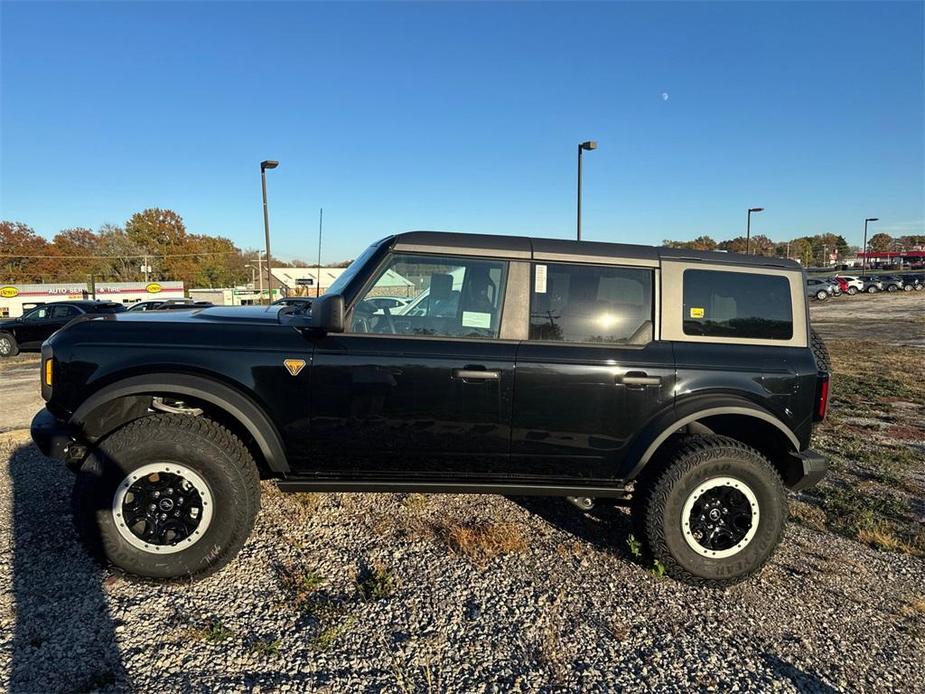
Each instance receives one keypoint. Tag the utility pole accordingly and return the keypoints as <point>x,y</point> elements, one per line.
<point>320,223</point>
<point>260,273</point>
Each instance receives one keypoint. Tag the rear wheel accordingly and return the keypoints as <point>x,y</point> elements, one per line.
<point>8,346</point>
<point>892,288</point>
<point>852,291</point>
<point>167,496</point>
<point>716,513</point>
<point>871,290</point>
<point>822,295</point>
<point>907,287</point>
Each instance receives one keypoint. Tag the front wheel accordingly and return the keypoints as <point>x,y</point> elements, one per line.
<point>716,513</point>
<point>892,288</point>
<point>167,496</point>
<point>907,287</point>
<point>8,346</point>
<point>871,290</point>
<point>852,291</point>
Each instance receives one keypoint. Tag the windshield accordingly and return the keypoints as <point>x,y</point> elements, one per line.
<point>347,275</point>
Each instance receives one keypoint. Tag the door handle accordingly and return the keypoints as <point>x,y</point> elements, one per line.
<point>476,375</point>
<point>639,378</point>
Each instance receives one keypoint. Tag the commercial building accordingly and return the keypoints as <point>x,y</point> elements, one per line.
<point>227,296</point>
<point>16,299</point>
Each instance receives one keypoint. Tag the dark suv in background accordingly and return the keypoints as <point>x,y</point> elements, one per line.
<point>28,332</point>
<point>684,384</point>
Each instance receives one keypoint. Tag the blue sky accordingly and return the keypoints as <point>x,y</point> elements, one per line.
<point>464,117</point>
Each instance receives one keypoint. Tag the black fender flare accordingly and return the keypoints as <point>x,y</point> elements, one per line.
<point>693,410</point>
<point>238,405</point>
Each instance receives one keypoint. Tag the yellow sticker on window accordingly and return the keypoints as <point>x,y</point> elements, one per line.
<point>696,313</point>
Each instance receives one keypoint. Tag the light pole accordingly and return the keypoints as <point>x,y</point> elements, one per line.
<point>320,221</point>
<point>748,228</point>
<point>584,146</point>
<point>864,259</point>
<point>264,165</point>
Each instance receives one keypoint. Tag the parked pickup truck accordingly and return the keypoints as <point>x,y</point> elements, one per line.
<point>684,384</point>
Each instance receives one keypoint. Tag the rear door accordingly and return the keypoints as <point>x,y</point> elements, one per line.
<point>426,390</point>
<point>590,374</point>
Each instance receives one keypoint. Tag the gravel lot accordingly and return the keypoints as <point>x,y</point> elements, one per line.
<point>415,593</point>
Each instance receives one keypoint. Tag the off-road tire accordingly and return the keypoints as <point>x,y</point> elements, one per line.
<point>8,346</point>
<point>202,445</point>
<point>696,460</point>
<point>820,351</point>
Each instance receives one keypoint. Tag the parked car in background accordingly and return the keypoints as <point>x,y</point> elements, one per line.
<point>853,284</point>
<point>821,289</point>
<point>299,303</point>
<point>891,283</point>
<point>28,332</point>
<point>836,286</point>
<point>872,283</point>
<point>913,282</point>
<point>159,303</point>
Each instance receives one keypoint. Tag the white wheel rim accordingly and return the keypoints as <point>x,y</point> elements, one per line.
<point>5,346</point>
<point>195,481</point>
<point>702,489</point>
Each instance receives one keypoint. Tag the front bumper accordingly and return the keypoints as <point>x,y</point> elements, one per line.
<point>56,439</point>
<point>805,470</point>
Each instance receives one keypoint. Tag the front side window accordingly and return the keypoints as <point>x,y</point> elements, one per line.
<point>37,314</point>
<point>438,296</point>
<point>589,303</point>
<point>737,304</point>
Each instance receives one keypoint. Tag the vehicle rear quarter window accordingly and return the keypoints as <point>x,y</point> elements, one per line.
<point>591,304</point>
<point>737,304</point>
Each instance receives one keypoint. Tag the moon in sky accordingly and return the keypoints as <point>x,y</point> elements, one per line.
<point>664,96</point>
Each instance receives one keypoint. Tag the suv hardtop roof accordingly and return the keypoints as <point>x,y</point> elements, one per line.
<point>525,248</point>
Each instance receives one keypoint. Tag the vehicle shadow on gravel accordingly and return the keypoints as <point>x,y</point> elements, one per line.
<point>64,637</point>
<point>606,527</point>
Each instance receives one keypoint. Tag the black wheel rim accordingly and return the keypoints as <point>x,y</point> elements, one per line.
<point>162,508</point>
<point>720,518</point>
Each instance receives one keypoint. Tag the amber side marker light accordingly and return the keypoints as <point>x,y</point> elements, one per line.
<point>48,371</point>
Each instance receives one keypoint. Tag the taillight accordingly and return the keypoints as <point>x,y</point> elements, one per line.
<point>822,396</point>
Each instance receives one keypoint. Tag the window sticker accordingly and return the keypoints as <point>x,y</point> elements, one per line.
<point>696,312</point>
<point>540,284</point>
<point>476,319</point>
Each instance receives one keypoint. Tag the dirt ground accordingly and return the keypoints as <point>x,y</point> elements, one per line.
<point>896,318</point>
<point>20,398</point>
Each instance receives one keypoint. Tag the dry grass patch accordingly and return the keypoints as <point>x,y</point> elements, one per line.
<point>807,515</point>
<point>481,540</point>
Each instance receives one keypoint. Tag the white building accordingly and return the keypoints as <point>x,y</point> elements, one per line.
<point>15,299</point>
<point>304,281</point>
<point>227,296</point>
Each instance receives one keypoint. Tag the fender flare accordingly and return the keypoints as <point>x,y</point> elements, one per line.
<point>695,409</point>
<point>238,405</point>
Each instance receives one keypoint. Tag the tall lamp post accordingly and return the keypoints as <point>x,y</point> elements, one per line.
<point>584,146</point>
<point>264,165</point>
<point>864,260</point>
<point>748,228</point>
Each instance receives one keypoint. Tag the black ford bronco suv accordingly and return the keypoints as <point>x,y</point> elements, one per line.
<point>684,384</point>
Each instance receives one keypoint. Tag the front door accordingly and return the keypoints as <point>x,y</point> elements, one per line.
<point>422,389</point>
<point>37,325</point>
<point>591,373</point>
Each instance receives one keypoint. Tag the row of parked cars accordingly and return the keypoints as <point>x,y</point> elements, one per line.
<point>822,288</point>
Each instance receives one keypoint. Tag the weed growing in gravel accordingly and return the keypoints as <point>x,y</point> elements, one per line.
<point>376,583</point>
<point>635,546</point>
<point>213,632</point>
<point>414,502</point>
<point>328,636</point>
<point>265,646</point>
<point>299,582</point>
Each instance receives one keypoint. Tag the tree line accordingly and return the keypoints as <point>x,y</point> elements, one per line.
<point>809,250</point>
<point>154,237</point>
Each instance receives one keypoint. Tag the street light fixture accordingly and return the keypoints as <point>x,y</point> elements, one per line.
<point>864,260</point>
<point>748,228</point>
<point>583,147</point>
<point>264,165</point>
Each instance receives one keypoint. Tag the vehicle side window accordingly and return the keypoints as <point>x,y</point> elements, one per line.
<point>64,312</point>
<point>447,297</point>
<point>737,304</point>
<point>40,313</point>
<point>591,303</point>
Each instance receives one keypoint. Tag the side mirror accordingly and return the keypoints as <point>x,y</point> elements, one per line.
<point>328,313</point>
